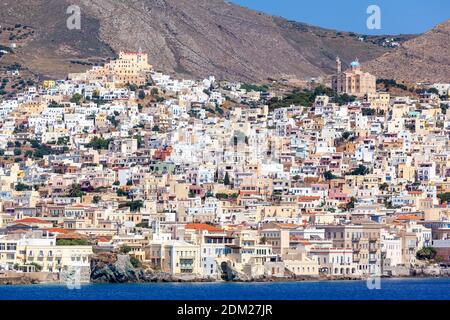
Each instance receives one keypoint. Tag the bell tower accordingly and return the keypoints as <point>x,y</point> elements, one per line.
<point>338,65</point>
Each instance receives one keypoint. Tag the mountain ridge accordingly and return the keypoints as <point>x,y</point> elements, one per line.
<point>186,38</point>
<point>425,58</point>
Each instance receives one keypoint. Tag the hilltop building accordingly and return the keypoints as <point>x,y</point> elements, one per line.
<point>129,68</point>
<point>353,81</point>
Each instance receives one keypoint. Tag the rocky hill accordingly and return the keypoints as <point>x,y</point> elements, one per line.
<point>423,59</point>
<point>184,37</point>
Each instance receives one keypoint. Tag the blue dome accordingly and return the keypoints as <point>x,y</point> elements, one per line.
<point>355,64</point>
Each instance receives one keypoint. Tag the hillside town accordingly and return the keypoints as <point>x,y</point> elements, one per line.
<point>213,180</point>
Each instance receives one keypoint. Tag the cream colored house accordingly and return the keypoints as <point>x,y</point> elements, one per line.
<point>175,257</point>
<point>43,252</point>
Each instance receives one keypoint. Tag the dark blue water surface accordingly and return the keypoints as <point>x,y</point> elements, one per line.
<point>391,289</point>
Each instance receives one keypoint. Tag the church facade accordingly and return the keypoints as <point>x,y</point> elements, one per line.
<point>353,81</point>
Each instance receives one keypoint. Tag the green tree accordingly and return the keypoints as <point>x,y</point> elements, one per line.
<point>132,87</point>
<point>62,141</point>
<point>22,187</point>
<point>98,144</point>
<point>76,98</point>
<point>135,262</point>
<point>347,134</point>
<point>125,249</point>
<point>350,204</point>
<point>360,171</point>
<point>226,180</point>
<point>133,205</point>
<point>384,186</point>
<point>444,197</point>
<point>75,191</point>
<point>72,242</point>
<point>37,266</point>
<point>368,112</point>
<point>141,94</point>
<point>426,253</point>
<point>121,193</point>
<point>222,196</point>
<point>328,175</point>
<point>143,225</point>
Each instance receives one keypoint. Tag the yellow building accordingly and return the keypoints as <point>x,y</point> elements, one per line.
<point>48,84</point>
<point>129,68</point>
<point>44,253</point>
<point>353,81</point>
<point>32,108</point>
<point>175,257</point>
<point>380,100</point>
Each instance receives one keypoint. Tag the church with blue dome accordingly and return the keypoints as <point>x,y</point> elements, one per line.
<point>353,81</point>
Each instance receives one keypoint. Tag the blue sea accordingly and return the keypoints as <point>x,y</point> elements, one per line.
<point>389,289</point>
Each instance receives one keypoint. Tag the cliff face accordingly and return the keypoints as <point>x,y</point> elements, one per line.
<point>194,38</point>
<point>110,268</point>
<point>117,268</point>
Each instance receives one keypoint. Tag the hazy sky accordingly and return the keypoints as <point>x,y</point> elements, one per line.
<point>397,16</point>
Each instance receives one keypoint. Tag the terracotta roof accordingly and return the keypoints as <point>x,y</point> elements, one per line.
<point>286,225</point>
<point>58,230</point>
<point>32,220</point>
<point>103,239</point>
<point>408,217</point>
<point>308,198</point>
<point>20,231</point>
<point>72,235</point>
<point>203,226</point>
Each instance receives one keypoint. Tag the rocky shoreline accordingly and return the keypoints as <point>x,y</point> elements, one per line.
<point>109,268</point>
<point>117,269</point>
<point>166,278</point>
<point>5,281</point>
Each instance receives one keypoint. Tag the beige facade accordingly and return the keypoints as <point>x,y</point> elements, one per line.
<point>353,81</point>
<point>175,257</point>
<point>363,239</point>
<point>129,68</point>
<point>43,253</point>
